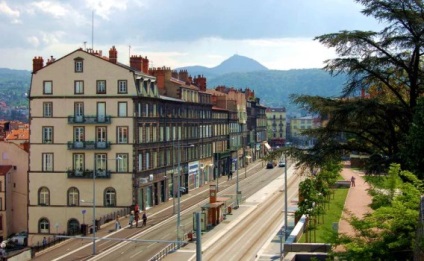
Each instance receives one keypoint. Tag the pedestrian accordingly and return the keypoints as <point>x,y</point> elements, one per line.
<point>44,242</point>
<point>137,217</point>
<point>117,224</point>
<point>144,219</point>
<point>352,181</point>
<point>130,222</point>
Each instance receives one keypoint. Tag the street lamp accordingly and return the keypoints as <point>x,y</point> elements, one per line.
<point>94,202</point>
<point>285,207</point>
<point>237,175</point>
<point>179,190</point>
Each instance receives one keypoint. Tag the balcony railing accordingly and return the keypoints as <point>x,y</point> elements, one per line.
<point>89,145</point>
<point>89,119</point>
<point>88,174</point>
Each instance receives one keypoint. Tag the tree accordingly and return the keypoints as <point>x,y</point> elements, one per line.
<point>388,63</point>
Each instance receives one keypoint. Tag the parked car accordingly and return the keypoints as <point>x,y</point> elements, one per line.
<point>281,164</point>
<point>20,239</point>
<point>270,165</point>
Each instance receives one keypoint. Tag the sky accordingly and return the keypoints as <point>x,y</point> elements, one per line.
<point>175,33</point>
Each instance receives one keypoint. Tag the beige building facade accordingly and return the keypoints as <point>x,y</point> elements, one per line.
<point>13,189</point>
<point>81,120</point>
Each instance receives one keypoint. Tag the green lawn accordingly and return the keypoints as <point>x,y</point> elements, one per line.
<point>333,213</point>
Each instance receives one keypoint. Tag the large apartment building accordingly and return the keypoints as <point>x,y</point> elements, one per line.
<point>81,124</point>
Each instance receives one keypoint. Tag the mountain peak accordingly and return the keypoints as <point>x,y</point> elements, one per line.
<point>234,64</point>
<point>239,63</point>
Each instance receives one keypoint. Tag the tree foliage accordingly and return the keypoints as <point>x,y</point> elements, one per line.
<point>388,233</point>
<point>386,64</point>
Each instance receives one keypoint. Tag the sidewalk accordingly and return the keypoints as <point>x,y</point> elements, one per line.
<point>357,200</point>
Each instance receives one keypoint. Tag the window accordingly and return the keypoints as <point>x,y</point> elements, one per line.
<point>122,86</point>
<point>44,196</point>
<point>79,134</point>
<point>140,161</point>
<point>73,197</point>
<point>101,164</point>
<point>47,162</point>
<point>79,65</point>
<point>47,134</point>
<point>101,87</point>
<point>122,109</point>
<point>79,87</point>
<point>73,227</point>
<point>78,163</point>
<point>44,226</point>
<point>122,135</point>
<point>101,134</point>
<point>110,197</point>
<point>122,162</point>
<point>47,109</point>
<point>79,111</point>
<point>47,87</point>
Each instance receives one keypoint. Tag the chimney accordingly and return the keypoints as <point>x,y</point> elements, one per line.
<point>113,55</point>
<point>174,74</point>
<point>162,75</point>
<point>136,62</point>
<point>51,60</point>
<point>37,64</point>
<point>145,62</point>
<point>200,82</point>
<point>183,75</point>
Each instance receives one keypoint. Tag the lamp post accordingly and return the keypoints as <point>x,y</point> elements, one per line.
<point>94,202</point>
<point>237,176</point>
<point>179,192</point>
<point>285,208</point>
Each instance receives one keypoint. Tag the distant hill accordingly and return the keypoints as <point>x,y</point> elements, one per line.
<point>274,87</point>
<point>235,63</point>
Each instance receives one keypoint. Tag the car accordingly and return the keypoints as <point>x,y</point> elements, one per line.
<point>281,164</point>
<point>270,165</point>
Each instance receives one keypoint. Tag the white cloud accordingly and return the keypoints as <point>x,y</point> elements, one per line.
<point>52,8</point>
<point>33,41</point>
<point>9,12</point>
<point>104,8</point>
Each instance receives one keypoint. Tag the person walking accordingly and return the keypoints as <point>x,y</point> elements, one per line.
<point>137,217</point>
<point>131,220</point>
<point>117,223</point>
<point>352,181</point>
<point>144,219</point>
<point>44,242</point>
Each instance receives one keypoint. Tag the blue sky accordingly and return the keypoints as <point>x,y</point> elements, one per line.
<point>174,33</point>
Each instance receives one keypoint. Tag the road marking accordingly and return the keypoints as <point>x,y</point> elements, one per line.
<point>136,254</point>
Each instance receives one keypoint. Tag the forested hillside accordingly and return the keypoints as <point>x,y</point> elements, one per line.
<point>274,87</point>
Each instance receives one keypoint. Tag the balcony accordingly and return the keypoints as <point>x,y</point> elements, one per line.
<point>89,145</point>
<point>82,119</point>
<point>88,174</point>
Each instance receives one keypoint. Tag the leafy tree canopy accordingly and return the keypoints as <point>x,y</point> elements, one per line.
<point>386,68</point>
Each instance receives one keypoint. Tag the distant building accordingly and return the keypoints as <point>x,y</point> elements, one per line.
<point>299,125</point>
<point>276,126</point>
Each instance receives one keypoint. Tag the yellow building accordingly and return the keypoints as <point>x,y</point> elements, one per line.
<point>276,126</point>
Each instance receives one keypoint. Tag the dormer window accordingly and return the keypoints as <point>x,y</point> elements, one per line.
<point>79,65</point>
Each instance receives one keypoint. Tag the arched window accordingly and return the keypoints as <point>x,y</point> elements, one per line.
<point>110,197</point>
<point>44,226</point>
<point>73,227</point>
<point>43,196</point>
<point>73,197</point>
